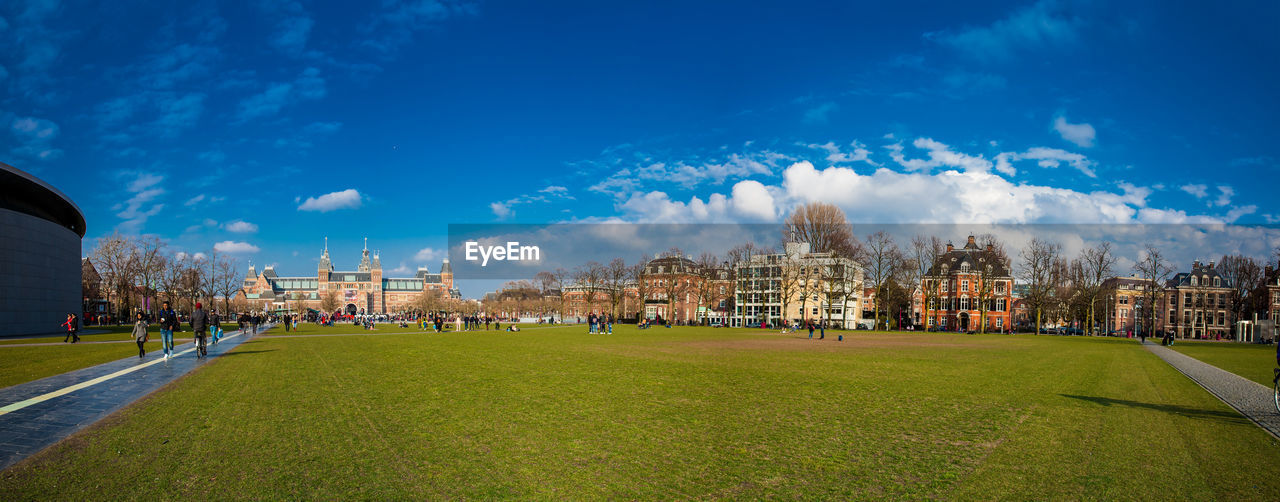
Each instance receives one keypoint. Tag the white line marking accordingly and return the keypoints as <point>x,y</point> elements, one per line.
<point>72,388</point>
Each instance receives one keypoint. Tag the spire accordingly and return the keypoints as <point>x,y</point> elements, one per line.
<point>364,257</point>
<point>325,264</point>
<point>366,244</point>
<point>445,268</point>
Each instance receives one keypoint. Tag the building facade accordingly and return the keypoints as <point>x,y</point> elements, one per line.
<point>362,291</point>
<point>1124,305</point>
<point>817,287</point>
<point>678,290</point>
<point>968,289</point>
<point>1197,303</point>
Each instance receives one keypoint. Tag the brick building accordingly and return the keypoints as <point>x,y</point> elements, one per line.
<point>362,291</point>
<point>1197,303</point>
<point>961,283</point>
<point>1122,305</point>
<point>679,290</point>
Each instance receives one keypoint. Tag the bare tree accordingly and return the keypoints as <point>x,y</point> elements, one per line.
<point>589,277</point>
<point>114,258</point>
<point>636,273</point>
<point>745,284</point>
<point>881,259</point>
<point>925,252</point>
<point>149,263</point>
<point>174,266</point>
<point>227,281</point>
<point>1155,270</point>
<point>329,302</point>
<point>707,269</point>
<point>1096,264</point>
<point>1245,276</point>
<point>1039,260</point>
<point>824,226</point>
<point>672,284</point>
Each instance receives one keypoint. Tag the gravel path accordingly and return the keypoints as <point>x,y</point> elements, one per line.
<point>1253,400</point>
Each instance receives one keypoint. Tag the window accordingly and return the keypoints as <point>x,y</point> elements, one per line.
<point>1193,280</point>
<point>1217,282</point>
<point>999,322</point>
<point>964,285</point>
<point>1222,318</point>
<point>1001,305</point>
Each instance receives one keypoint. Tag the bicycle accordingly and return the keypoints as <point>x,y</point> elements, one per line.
<point>1276,386</point>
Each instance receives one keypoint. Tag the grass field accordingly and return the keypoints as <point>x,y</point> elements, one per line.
<point>554,413</point>
<point>1252,361</point>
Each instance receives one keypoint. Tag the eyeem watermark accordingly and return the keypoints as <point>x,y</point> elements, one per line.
<point>513,251</point>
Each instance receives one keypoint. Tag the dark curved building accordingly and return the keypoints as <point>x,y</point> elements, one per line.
<point>40,233</point>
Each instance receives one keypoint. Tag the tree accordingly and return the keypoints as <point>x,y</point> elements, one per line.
<point>671,286</point>
<point>114,258</point>
<point>299,302</point>
<point>925,252</point>
<point>824,226</point>
<point>1246,276</point>
<point>992,264</point>
<point>149,263</point>
<point>171,277</point>
<point>589,277</point>
<point>227,281</point>
<point>329,302</point>
<point>881,259</point>
<point>1154,269</point>
<point>1040,272</point>
<point>707,268</point>
<point>1096,264</point>
<point>615,280</point>
<point>737,259</point>
<point>839,282</point>
<point>636,274</point>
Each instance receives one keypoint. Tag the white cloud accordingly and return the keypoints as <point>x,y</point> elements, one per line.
<point>346,199</point>
<point>241,227</point>
<point>1081,134</point>
<point>235,247</point>
<point>1047,158</point>
<point>555,189</point>
<point>1039,26</point>
<point>194,200</point>
<point>940,155</point>
<point>35,137</point>
<point>500,209</point>
<point>1224,195</point>
<point>836,156</point>
<point>888,196</point>
<point>428,254</point>
<point>134,211</point>
<point>1198,190</point>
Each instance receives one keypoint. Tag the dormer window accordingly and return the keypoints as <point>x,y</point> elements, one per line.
<point>1193,280</point>
<point>1217,282</point>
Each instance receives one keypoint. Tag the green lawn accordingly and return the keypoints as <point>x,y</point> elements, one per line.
<point>554,413</point>
<point>24,364</point>
<point>1252,361</point>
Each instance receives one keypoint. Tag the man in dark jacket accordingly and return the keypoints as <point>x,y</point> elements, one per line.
<point>200,325</point>
<point>168,324</point>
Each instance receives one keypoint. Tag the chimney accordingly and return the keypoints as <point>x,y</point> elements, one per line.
<point>970,243</point>
<point>1195,264</point>
<point>950,247</point>
<point>990,247</point>
<point>1210,264</point>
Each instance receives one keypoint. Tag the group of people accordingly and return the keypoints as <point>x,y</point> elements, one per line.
<point>598,323</point>
<point>206,326</point>
<point>460,323</point>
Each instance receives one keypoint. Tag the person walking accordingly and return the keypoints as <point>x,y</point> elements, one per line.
<point>611,323</point>
<point>168,324</point>
<point>140,334</point>
<point>810,323</point>
<point>70,324</point>
<point>199,326</point>
<point>254,321</point>
<point>822,330</point>
<point>215,326</point>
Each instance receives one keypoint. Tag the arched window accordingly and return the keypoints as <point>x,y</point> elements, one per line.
<point>1217,282</point>
<point>1193,280</point>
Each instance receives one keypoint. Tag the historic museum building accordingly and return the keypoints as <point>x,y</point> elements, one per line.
<point>361,291</point>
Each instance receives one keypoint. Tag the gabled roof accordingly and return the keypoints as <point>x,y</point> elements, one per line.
<point>1202,272</point>
<point>971,254</point>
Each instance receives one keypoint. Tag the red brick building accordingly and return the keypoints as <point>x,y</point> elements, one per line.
<point>964,281</point>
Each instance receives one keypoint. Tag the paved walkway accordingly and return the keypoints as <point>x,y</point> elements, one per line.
<point>1252,399</point>
<point>35,415</point>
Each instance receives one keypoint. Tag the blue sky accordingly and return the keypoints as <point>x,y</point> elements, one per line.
<point>261,127</point>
